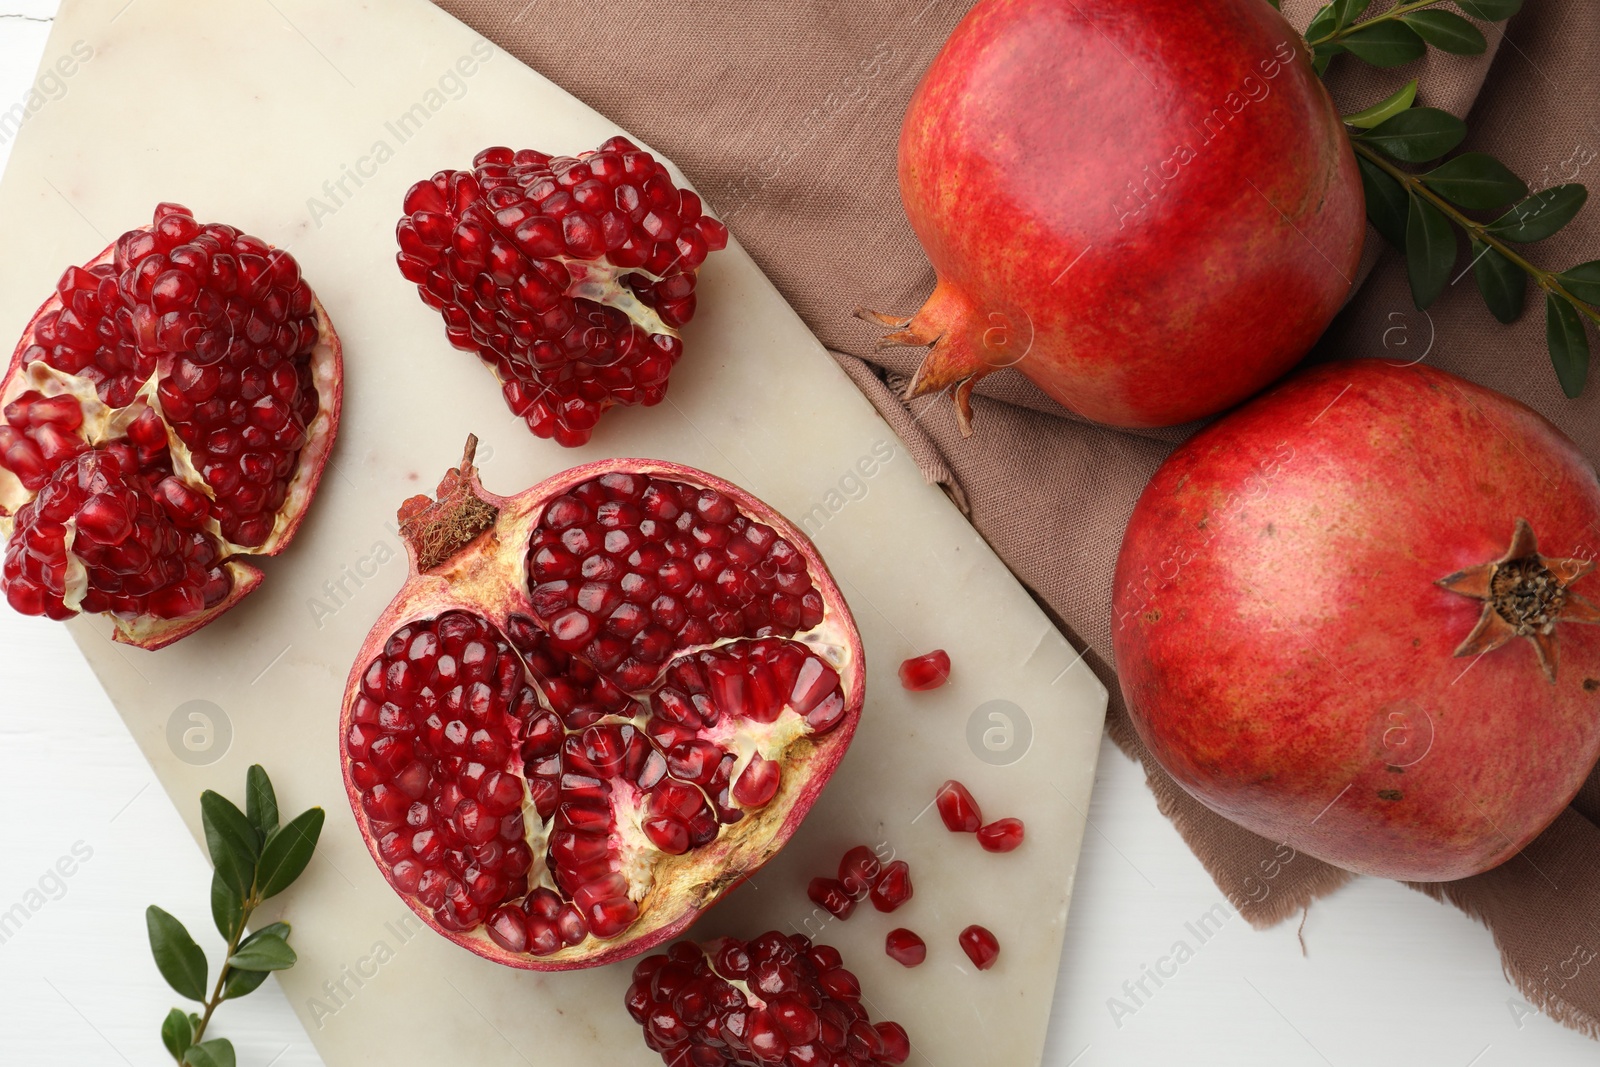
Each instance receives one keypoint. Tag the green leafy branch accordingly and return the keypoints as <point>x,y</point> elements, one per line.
<point>1420,212</point>
<point>254,858</point>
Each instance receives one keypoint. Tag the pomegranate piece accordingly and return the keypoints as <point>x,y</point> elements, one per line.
<point>981,946</point>
<point>831,895</point>
<point>958,808</point>
<point>569,276</point>
<point>1002,835</point>
<point>893,887</point>
<point>565,739</point>
<point>905,947</point>
<point>774,999</point>
<point>166,414</point>
<point>859,871</point>
<point>1478,652</point>
<point>930,671</point>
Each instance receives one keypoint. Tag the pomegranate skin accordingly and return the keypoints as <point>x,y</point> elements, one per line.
<point>1289,656</point>
<point>1149,207</point>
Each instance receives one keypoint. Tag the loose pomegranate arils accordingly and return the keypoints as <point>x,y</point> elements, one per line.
<point>893,887</point>
<point>167,412</point>
<point>1002,835</point>
<point>831,895</point>
<point>773,1000</point>
<point>905,947</point>
<point>569,276</point>
<point>958,808</point>
<point>594,707</point>
<point>981,946</point>
<point>924,672</point>
<point>859,871</point>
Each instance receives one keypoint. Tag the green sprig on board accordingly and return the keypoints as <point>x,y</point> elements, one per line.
<point>254,857</point>
<point>1419,211</point>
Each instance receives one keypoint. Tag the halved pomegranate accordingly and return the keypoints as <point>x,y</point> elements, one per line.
<point>167,412</point>
<point>594,707</point>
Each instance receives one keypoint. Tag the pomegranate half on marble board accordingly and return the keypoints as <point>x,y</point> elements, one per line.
<point>165,417</point>
<point>594,707</point>
<point>1148,207</point>
<point>1357,616</point>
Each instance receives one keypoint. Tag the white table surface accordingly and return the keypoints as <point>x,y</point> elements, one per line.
<point>1389,977</point>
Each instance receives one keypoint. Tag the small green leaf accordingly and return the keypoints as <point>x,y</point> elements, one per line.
<point>1447,32</point>
<point>1501,282</point>
<point>227,907</point>
<point>1430,251</point>
<point>1490,10</point>
<point>260,802</point>
<point>264,954</point>
<point>178,958</point>
<point>1384,109</point>
<point>1475,180</point>
<point>1322,55</point>
<point>240,982</point>
<point>1347,11</point>
<point>1385,44</point>
<point>287,851</point>
<point>1541,215</point>
<point>1569,343</point>
<point>1386,202</point>
<point>176,1033</point>
<point>1322,24</point>
<point>233,842</point>
<point>1276,4</point>
<point>1583,281</point>
<point>218,1052</point>
<point>1417,134</point>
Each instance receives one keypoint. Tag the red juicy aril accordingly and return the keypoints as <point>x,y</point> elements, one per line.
<point>1351,617</point>
<point>594,707</point>
<point>569,276</point>
<point>1148,207</point>
<point>776,999</point>
<point>166,414</point>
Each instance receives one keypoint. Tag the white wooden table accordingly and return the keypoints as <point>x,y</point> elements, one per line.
<point>1390,977</point>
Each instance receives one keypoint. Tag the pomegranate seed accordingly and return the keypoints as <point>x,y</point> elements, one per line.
<point>1002,835</point>
<point>830,894</point>
<point>958,808</point>
<point>929,671</point>
<point>859,870</point>
<point>905,947</point>
<point>980,946</point>
<point>893,887</point>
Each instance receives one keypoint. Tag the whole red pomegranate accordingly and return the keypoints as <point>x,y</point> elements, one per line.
<point>594,707</point>
<point>1349,616</point>
<point>1148,207</point>
<point>167,414</point>
<point>569,276</point>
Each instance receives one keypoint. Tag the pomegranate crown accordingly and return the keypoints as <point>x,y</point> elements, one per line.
<point>436,529</point>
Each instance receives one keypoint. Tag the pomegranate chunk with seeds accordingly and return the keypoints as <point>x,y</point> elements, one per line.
<point>905,947</point>
<point>569,276</point>
<point>167,412</point>
<point>981,946</point>
<point>555,795</point>
<point>926,672</point>
<point>774,999</point>
<point>1002,835</point>
<point>957,808</point>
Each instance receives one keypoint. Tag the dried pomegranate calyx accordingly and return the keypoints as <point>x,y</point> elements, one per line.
<point>1525,594</point>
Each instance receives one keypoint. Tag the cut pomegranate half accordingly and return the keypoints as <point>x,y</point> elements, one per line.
<point>569,276</point>
<point>594,707</point>
<point>167,413</point>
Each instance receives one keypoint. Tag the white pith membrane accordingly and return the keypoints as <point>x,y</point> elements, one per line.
<point>663,887</point>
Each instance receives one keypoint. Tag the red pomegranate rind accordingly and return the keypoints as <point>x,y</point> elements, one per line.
<point>569,276</point>
<point>196,359</point>
<point>536,808</point>
<point>773,999</point>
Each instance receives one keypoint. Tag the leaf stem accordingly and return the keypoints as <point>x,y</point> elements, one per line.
<point>216,999</point>
<point>1417,187</point>
<point>1395,12</point>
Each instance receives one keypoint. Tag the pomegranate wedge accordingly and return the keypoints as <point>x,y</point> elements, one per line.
<point>594,707</point>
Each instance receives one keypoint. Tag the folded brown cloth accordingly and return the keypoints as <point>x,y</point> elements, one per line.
<point>786,118</point>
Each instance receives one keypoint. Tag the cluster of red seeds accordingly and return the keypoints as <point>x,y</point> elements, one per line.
<point>798,1006</point>
<point>959,811</point>
<point>568,275</point>
<point>862,876</point>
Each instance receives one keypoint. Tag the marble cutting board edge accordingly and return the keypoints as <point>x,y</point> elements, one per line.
<point>308,138</point>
